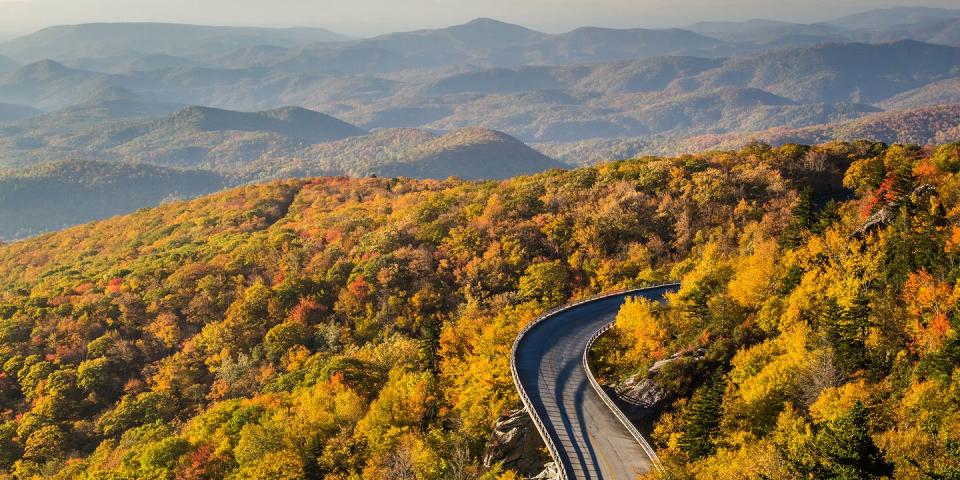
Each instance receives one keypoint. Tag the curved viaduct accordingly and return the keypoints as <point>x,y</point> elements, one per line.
<point>588,437</point>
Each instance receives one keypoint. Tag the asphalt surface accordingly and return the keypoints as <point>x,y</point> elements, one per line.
<point>593,444</point>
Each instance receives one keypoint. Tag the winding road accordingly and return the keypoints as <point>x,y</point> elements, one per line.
<point>588,436</point>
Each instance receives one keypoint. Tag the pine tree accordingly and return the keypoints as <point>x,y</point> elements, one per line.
<point>847,451</point>
<point>845,329</point>
<point>803,215</point>
<point>702,418</point>
<point>904,183</point>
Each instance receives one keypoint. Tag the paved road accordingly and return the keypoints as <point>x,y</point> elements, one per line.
<point>592,443</point>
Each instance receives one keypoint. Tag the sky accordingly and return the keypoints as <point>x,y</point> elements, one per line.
<point>370,17</point>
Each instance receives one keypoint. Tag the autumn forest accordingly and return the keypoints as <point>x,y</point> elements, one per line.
<point>341,328</point>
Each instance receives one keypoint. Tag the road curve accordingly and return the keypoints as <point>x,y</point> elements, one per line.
<point>582,430</point>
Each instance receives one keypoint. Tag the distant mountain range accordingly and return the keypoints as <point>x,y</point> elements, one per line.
<point>484,43</point>
<point>792,87</point>
<point>931,125</point>
<point>885,18</point>
<point>132,40</point>
<point>146,161</point>
<point>229,142</point>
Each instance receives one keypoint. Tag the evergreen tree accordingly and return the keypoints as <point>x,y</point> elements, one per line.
<point>847,451</point>
<point>803,215</point>
<point>826,217</point>
<point>845,329</point>
<point>904,182</point>
<point>702,418</point>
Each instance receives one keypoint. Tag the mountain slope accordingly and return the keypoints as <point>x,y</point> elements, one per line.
<point>295,122</point>
<point>50,85</point>
<point>854,72</point>
<point>936,93</point>
<point>931,125</point>
<point>592,45</point>
<point>239,334</point>
<point>769,32</point>
<point>277,143</point>
<point>55,196</point>
<point>223,139</point>
<point>472,153</point>
<point>10,112</point>
<point>121,39</point>
<point>7,64</point>
<point>886,18</point>
<point>920,126</point>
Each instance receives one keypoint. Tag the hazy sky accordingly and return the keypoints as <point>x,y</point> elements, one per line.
<point>367,17</point>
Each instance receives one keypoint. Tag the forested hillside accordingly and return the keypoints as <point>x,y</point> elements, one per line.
<point>336,328</point>
<point>60,195</point>
<point>332,327</point>
<point>820,345</point>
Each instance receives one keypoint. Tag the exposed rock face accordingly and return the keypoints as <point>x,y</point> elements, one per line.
<point>550,472</point>
<point>883,217</point>
<point>641,393</point>
<point>641,396</point>
<point>516,442</point>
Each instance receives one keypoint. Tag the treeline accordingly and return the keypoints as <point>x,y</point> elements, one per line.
<point>338,328</point>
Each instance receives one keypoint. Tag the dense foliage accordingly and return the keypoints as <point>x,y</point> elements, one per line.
<point>829,338</point>
<point>335,328</point>
<point>340,328</point>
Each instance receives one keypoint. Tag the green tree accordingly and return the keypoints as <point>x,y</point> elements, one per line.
<point>45,444</point>
<point>9,450</point>
<point>702,418</point>
<point>846,331</point>
<point>847,451</point>
<point>802,218</point>
<point>546,282</point>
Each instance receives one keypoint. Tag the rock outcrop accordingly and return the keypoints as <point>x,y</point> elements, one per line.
<point>641,396</point>
<point>516,443</point>
<point>550,472</point>
<point>885,215</point>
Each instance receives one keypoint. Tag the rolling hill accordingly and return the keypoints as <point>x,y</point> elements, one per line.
<point>7,64</point>
<point>937,93</point>
<point>863,73</point>
<point>192,137</point>
<point>472,153</point>
<point>770,32</point>
<point>921,126</point>
<point>932,125</point>
<point>9,112</point>
<point>55,196</point>
<point>886,18</point>
<point>49,85</point>
<point>93,40</point>
<point>297,123</point>
<point>289,141</point>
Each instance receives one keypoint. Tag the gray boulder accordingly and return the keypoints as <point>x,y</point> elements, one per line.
<point>516,443</point>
